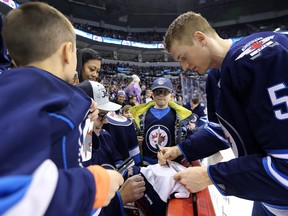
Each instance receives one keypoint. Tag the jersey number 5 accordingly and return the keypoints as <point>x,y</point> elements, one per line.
<point>279,100</point>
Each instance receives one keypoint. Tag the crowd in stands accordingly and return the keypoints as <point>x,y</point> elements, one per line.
<point>147,37</point>
<point>239,30</point>
<point>126,68</point>
<point>116,81</point>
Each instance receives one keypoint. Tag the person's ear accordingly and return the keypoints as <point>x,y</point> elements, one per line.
<point>200,37</point>
<point>67,52</point>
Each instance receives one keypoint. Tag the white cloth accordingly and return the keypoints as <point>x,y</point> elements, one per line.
<point>161,178</point>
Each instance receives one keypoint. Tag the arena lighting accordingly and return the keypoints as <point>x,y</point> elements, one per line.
<point>88,5</point>
<point>109,40</point>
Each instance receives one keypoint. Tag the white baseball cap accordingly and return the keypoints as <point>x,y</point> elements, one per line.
<point>98,92</point>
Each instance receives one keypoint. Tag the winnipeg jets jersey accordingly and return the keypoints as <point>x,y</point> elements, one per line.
<point>252,109</point>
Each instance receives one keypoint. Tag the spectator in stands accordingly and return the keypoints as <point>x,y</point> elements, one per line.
<point>120,98</point>
<point>42,42</point>
<point>148,96</point>
<point>173,96</point>
<point>134,88</point>
<point>179,99</point>
<point>252,68</point>
<point>132,100</point>
<point>112,90</point>
<point>125,111</point>
<point>104,152</point>
<point>143,90</point>
<point>88,64</point>
<point>160,117</point>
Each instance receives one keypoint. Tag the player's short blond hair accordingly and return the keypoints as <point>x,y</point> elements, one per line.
<point>184,27</point>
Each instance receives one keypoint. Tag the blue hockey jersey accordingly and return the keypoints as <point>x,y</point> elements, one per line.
<point>124,136</point>
<point>105,154</point>
<point>171,123</point>
<point>39,111</point>
<point>252,108</point>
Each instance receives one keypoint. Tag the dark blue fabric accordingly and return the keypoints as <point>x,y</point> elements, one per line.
<point>251,106</point>
<point>125,139</point>
<point>248,109</point>
<point>167,125</point>
<point>30,129</point>
<point>103,150</point>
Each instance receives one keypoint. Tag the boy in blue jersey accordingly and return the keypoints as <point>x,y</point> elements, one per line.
<point>250,107</point>
<point>160,120</point>
<point>40,110</point>
<point>104,151</point>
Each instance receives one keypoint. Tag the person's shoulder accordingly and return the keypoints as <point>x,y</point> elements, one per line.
<point>257,41</point>
<point>28,76</point>
<point>247,49</point>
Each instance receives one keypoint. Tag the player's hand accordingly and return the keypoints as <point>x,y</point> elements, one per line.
<point>169,153</point>
<point>93,111</point>
<point>132,189</point>
<point>116,180</point>
<point>194,179</point>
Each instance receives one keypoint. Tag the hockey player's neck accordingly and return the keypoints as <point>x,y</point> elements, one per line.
<point>219,51</point>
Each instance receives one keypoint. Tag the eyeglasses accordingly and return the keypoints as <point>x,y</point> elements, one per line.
<point>102,115</point>
<point>158,92</point>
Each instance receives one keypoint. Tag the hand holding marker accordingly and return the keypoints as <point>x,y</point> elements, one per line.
<point>159,150</point>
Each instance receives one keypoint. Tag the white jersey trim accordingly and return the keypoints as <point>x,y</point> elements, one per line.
<point>274,173</point>
<point>40,192</point>
<point>134,151</point>
<point>280,211</point>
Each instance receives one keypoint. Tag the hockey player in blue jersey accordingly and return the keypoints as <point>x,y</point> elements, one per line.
<point>250,107</point>
<point>40,110</point>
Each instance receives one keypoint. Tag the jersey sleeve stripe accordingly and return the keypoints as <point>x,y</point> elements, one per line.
<point>274,173</point>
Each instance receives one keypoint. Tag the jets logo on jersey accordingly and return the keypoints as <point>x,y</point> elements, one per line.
<point>152,137</point>
<point>254,48</point>
<point>116,119</point>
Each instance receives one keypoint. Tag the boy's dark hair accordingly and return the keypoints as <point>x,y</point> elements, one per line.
<point>35,31</point>
<point>195,100</point>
